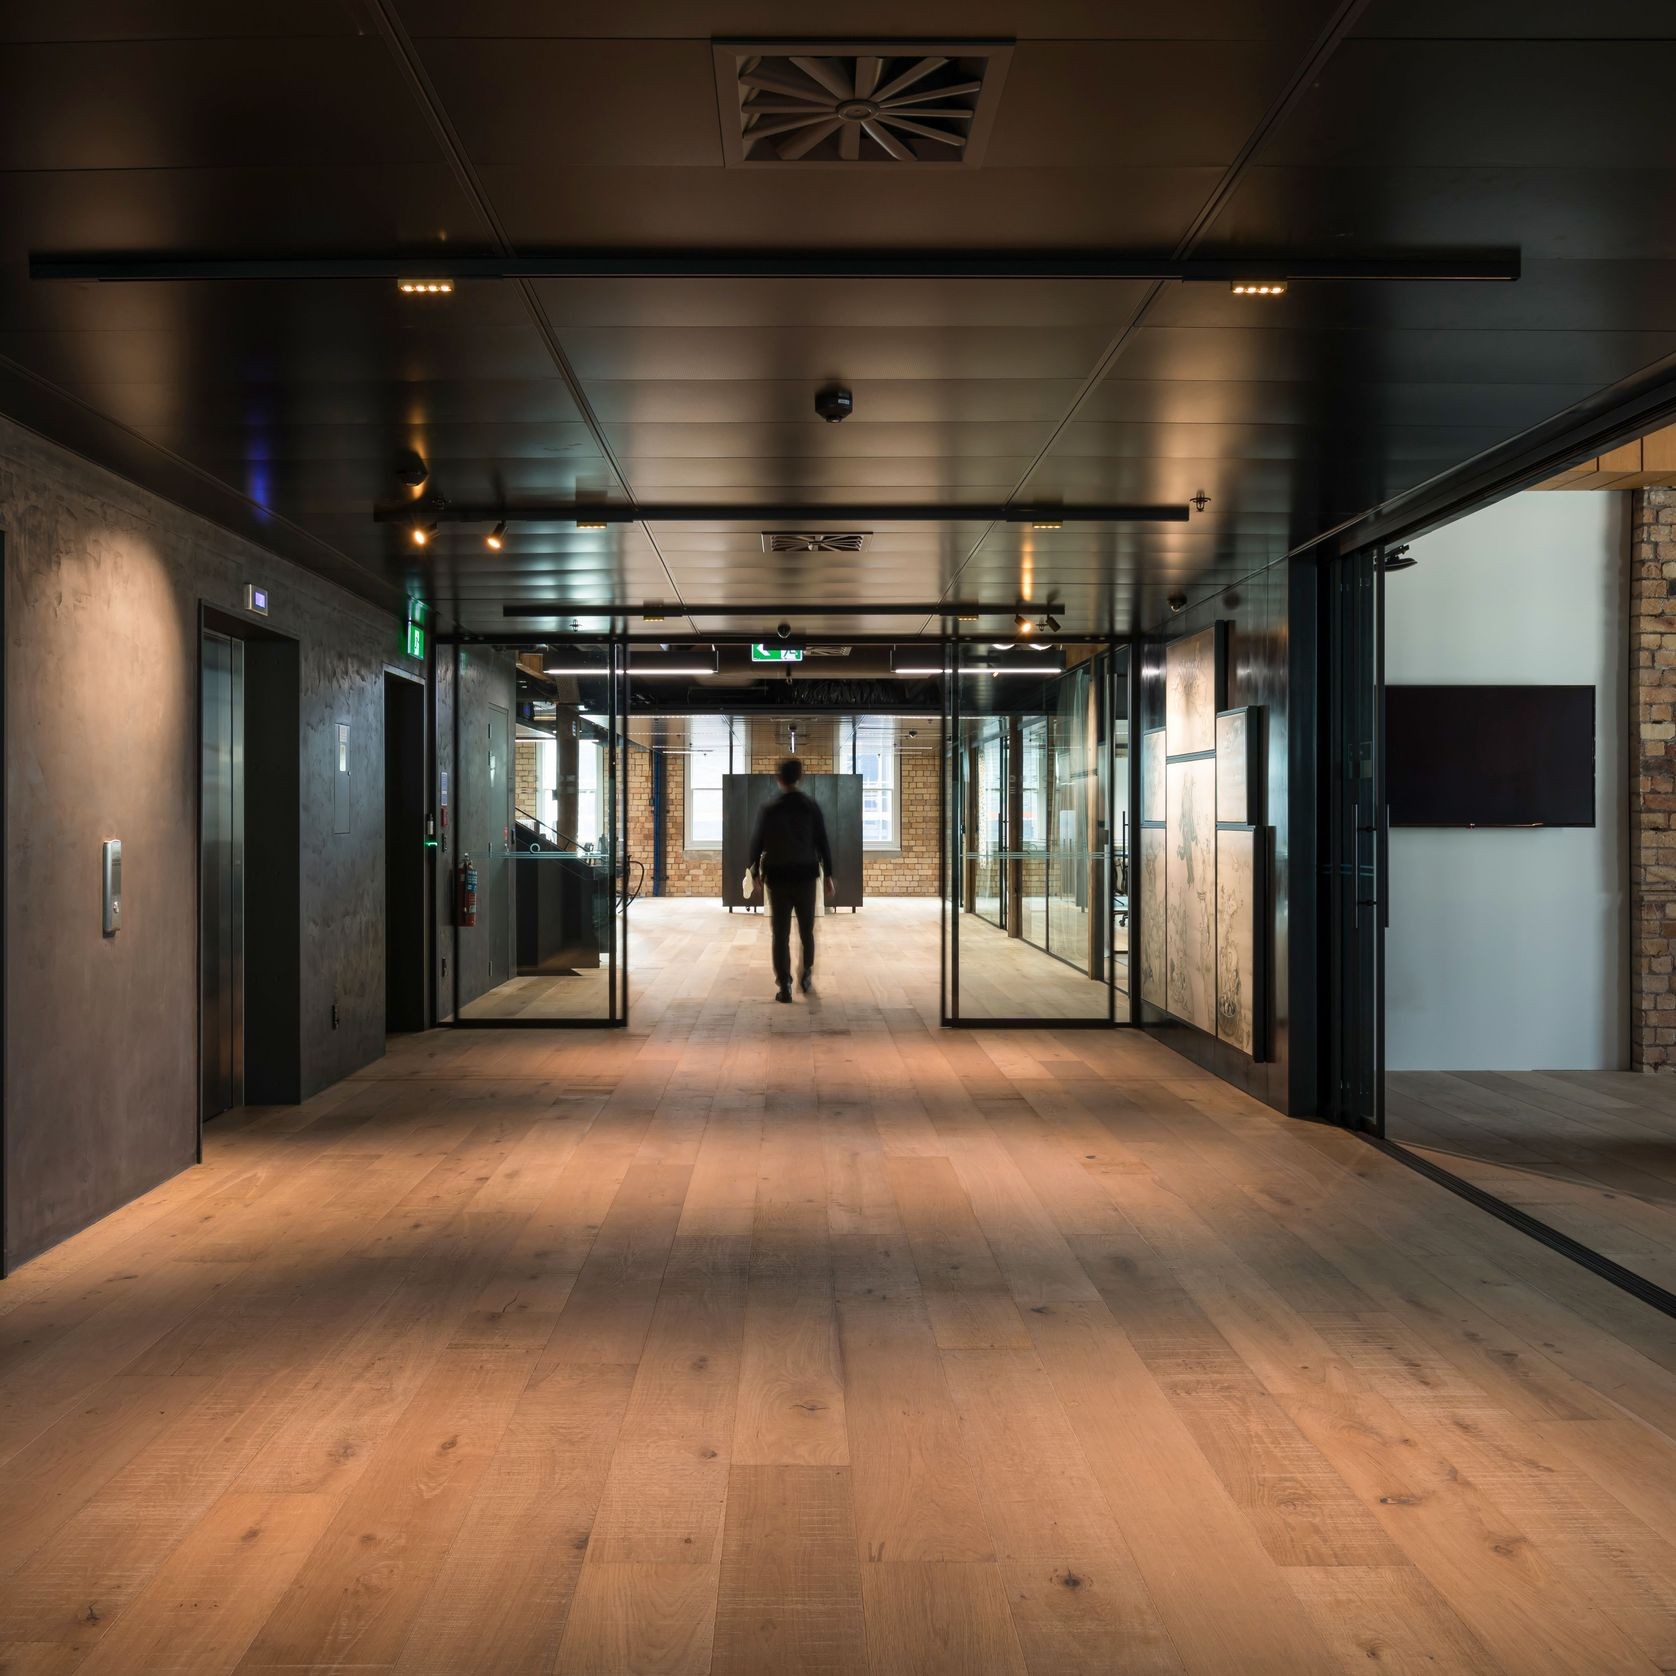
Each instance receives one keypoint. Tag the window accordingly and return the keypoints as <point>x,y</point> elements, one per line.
<point>590,794</point>
<point>710,739</point>
<point>873,752</point>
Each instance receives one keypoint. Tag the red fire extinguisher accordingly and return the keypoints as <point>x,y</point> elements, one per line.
<point>465,892</point>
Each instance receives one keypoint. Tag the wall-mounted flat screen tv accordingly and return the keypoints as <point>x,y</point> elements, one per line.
<point>1490,756</point>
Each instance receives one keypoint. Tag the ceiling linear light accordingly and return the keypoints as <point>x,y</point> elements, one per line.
<point>1257,287</point>
<point>1492,266</point>
<point>592,524</point>
<point>426,287</point>
<point>496,538</point>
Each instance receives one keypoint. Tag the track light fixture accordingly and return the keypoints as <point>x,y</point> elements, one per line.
<point>1023,625</point>
<point>422,533</point>
<point>1258,287</point>
<point>425,287</point>
<point>496,538</point>
<point>1050,623</point>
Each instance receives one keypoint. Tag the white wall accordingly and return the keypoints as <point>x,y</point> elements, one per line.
<point>1508,950</point>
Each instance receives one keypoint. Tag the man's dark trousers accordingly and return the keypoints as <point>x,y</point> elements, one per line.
<point>785,898</point>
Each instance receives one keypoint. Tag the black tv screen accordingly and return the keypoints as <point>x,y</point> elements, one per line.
<point>1490,756</point>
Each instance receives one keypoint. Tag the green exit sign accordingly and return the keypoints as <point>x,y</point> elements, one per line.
<point>776,654</point>
<point>413,636</point>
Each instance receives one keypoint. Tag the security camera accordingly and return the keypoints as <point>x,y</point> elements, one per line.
<point>1177,602</point>
<point>413,472</point>
<point>834,403</point>
<point>783,630</point>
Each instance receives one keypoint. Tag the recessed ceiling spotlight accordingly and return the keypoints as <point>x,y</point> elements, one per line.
<point>496,538</point>
<point>1258,287</point>
<point>425,287</point>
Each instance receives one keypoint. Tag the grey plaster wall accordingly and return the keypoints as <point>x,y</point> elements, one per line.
<point>103,586</point>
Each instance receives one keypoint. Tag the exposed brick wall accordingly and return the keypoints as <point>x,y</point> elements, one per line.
<point>1653,802</point>
<point>523,780</point>
<point>699,872</point>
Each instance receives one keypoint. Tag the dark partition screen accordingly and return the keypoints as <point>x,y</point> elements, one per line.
<point>839,798</point>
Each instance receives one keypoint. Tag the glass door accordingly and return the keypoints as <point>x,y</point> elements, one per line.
<point>1027,803</point>
<point>544,880</point>
<point>1356,842</point>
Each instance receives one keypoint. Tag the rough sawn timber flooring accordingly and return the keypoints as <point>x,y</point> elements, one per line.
<point>813,1339</point>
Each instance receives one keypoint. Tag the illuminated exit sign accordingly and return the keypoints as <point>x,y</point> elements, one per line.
<point>413,639</point>
<point>776,654</point>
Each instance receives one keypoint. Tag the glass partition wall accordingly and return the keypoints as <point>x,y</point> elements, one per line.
<point>540,882</point>
<point>1035,909</point>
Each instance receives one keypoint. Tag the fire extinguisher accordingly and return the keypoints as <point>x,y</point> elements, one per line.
<point>465,892</point>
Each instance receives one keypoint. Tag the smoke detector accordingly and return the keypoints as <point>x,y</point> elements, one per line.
<point>808,541</point>
<point>829,104</point>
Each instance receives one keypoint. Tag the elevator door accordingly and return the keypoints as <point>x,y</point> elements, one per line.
<point>221,874</point>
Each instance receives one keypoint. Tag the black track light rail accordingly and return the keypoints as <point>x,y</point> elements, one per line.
<point>1469,266</point>
<point>651,611</point>
<point>824,518</point>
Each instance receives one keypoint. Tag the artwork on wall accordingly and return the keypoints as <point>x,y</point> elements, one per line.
<point>1154,748</point>
<point>1193,690</point>
<point>1239,771</point>
<point>1241,888</point>
<point>1190,875</point>
<point>1154,988</point>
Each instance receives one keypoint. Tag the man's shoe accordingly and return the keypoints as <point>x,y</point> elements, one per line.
<point>807,981</point>
<point>783,994</point>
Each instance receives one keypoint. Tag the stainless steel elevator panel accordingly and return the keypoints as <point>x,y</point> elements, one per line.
<point>221,875</point>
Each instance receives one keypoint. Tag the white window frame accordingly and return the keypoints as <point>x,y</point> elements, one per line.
<point>893,844</point>
<point>703,845</point>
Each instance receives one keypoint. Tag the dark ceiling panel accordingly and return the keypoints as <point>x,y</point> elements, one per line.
<point>850,354</point>
<point>231,101</point>
<point>168,20</point>
<point>1187,20</point>
<point>1543,20</point>
<point>733,401</point>
<point>547,201</point>
<point>1492,103</point>
<point>285,410</point>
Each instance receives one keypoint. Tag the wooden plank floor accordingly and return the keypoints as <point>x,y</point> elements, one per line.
<point>1000,976</point>
<point>812,1339</point>
<point>1592,1153</point>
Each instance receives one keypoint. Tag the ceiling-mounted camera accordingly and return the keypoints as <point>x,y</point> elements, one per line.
<point>834,403</point>
<point>1177,602</point>
<point>783,630</point>
<point>413,470</point>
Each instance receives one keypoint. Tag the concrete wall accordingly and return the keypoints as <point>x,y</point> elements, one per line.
<point>103,586</point>
<point>1508,950</point>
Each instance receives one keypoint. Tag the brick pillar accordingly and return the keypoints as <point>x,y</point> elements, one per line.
<point>1652,594</point>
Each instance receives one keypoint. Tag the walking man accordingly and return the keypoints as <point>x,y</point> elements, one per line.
<point>789,849</point>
